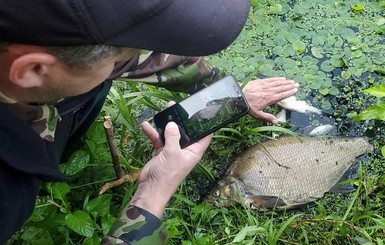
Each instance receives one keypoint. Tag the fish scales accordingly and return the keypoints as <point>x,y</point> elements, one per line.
<point>296,171</point>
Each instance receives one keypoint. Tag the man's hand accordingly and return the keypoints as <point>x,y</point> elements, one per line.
<point>262,93</point>
<point>161,176</point>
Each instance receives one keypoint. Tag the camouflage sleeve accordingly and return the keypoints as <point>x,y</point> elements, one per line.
<point>136,226</point>
<point>173,72</point>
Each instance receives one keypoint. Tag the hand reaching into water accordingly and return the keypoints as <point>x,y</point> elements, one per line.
<point>262,93</point>
<point>162,175</point>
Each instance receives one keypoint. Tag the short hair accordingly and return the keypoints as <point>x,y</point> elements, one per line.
<point>78,57</point>
<point>83,57</point>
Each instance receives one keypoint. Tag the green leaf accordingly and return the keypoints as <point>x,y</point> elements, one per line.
<point>99,206</point>
<point>107,222</point>
<point>77,162</point>
<point>378,91</point>
<point>299,46</point>
<point>316,52</point>
<point>383,151</point>
<point>373,112</point>
<point>36,235</point>
<point>324,91</point>
<point>247,231</point>
<point>326,105</point>
<point>80,222</point>
<point>327,66</point>
<point>95,240</point>
<point>275,9</point>
<point>96,133</point>
<point>59,190</point>
<point>345,75</point>
<point>358,7</point>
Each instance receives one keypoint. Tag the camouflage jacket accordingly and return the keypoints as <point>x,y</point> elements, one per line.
<point>177,73</point>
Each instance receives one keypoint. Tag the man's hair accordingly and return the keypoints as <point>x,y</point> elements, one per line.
<point>78,57</point>
<point>83,57</point>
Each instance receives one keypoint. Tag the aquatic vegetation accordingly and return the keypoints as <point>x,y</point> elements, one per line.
<point>334,48</point>
<point>376,111</point>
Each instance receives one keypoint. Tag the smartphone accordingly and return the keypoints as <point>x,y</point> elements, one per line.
<point>204,112</point>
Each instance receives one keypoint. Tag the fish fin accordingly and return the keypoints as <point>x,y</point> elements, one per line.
<point>265,202</point>
<point>344,188</point>
<point>297,205</point>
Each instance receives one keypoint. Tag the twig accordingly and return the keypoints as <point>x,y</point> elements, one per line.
<point>55,204</point>
<point>113,148</point>
<point>120,177</point>
<point>126,178</point>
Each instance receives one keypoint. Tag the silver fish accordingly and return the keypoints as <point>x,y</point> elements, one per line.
<point>281,116</point>
<point>293,104</point>
<point>288,172</point>
<point>326,129</point>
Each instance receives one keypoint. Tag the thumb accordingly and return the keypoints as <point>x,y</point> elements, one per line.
<point>171,135</point>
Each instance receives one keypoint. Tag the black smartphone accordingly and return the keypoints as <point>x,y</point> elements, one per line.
<point>204,112</point>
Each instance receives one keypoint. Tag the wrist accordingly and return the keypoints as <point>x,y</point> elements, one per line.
<point>150,199</point>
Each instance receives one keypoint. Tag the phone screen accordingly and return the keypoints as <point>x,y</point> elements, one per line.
<point>205,111</point>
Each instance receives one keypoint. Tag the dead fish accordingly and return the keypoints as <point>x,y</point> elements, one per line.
<point>281,116</point>
<point>288,172</point>
<point>323,130</point>
<point>293,104</point>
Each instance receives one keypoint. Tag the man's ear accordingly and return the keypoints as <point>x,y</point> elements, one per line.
<point>28,70</point>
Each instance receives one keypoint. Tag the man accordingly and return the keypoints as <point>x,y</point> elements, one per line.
<point>58,59</point>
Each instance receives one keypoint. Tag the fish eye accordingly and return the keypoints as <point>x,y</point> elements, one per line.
<point>216,193</point>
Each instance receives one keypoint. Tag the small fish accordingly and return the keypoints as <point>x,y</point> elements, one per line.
<point>293,104</point>
<point>322,130</point>
<point>207,113</point>
<point>288,172</point>
<point>281,116</point>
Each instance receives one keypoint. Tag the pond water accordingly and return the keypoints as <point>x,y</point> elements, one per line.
<point>334,49</point>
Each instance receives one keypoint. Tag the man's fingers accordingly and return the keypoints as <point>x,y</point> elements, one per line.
<point>266,117</point>
<point>285,94</point>
<point>270,79</point>
<point>283,84</point>
<point>152,134</point>
<point>170,103</point>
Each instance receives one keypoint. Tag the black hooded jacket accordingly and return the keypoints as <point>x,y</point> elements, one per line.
<point>26,159</point>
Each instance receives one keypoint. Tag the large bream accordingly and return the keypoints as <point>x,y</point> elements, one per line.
<point>287,172</point>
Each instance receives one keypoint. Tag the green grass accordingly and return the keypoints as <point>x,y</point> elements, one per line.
<point>334,49</point>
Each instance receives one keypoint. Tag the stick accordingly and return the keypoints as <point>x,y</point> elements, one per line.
<point>113,148</point>
<point>126,178</point>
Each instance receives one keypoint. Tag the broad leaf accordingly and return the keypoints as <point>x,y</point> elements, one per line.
<point>77,162</point>
<point>99,206</point>
<point>107,222</point>
<point>95,240</point>
<point>299,46</point>
<point>80,222</point>
<point>373,112</point>
<point>59,190</point>
<point>378,91</point>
